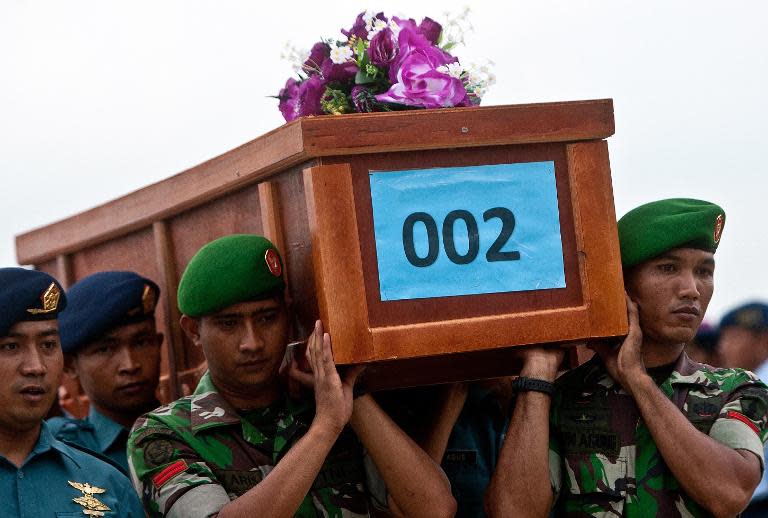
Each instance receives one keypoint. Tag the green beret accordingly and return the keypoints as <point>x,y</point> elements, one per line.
<point>230,270</point>
<point>653,228</point>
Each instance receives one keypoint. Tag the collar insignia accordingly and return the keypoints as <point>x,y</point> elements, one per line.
<point>91,505</point>
<point>50,299</point>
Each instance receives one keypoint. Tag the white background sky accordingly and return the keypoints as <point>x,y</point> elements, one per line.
<point>99,98</point>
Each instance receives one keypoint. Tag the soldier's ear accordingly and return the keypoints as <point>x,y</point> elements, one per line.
<point>191,327</point>
<point>70,365</point>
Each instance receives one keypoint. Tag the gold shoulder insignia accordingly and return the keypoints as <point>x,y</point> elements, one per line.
<point>92,505</point>
<point>50,299</point>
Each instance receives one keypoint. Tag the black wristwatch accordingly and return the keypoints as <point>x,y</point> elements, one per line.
<point>523,384</point>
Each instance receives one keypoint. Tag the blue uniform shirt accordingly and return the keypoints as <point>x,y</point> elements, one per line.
<point>761,492</point>
<point>472,450</point>
<point>96,432</point>
<point>41,489</point>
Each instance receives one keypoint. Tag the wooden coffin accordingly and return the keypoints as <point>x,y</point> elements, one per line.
<point>307,186</point>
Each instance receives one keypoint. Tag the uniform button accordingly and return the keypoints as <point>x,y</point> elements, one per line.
<point>21,474</point>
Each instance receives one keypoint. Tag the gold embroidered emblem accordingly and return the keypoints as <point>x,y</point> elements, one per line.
<point>148,299</point>
<point>50,299</point>
<point>92,505</point>
<point>718,231</point>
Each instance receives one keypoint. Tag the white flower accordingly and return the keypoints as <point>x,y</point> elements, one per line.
<point>452,69</point>
<point>295,56</point>
<point>341,55</point>
<point>378,26</point>
<point>395,28</point>
<point>368,18</point>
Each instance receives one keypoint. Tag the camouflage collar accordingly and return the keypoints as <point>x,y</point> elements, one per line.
<point>208,409</point>
<point>685,372</point>
<point>689,372</point>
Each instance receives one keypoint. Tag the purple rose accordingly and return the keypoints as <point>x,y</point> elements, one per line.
<point>409,39</point>
<point>309,96</point>
<point>289,96</point>
<point>319,53</point>
<point>341,72</point>
<point>430,29</point>
<point>419,83</point>
<point>383,48</point>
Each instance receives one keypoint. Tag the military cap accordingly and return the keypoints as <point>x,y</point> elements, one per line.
<point>707,336</point>
<point>752,316</point>
<point>103,301</point>
<point>229,270</point>
<point>654,228</point>
<point>28,295</point>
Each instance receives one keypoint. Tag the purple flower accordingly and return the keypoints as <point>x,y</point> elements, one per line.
<point>430,29</point>
<point>309,96</point>
<point>409,39</point>
<point>362,99</point>
<point>383,48</point>
<point>289,96</point>
<point>417,81</point>
<point>341,72</point>
<point>319,53</point>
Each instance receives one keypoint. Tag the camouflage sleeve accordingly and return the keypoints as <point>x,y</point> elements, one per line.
<point>169,475</point>
<point>376,487</point>
<point>742,422</point>
<point>555,459</point>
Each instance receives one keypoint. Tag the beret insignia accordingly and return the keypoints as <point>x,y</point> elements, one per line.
<point>148,300</point>
<point>718,228</point>
<point>273,263</point>
<point>50,299</point>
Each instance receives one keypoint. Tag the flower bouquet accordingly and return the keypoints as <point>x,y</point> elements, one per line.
<point>383,64</point>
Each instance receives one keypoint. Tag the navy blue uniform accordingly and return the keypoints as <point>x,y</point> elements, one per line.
<point>41,487</point>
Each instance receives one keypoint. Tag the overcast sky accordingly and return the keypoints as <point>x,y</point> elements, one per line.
<point>99,98</point>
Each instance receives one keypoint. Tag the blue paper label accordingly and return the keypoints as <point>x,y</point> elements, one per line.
<point>467,230</point>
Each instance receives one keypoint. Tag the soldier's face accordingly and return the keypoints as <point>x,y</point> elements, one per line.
<point>120,370</point>
<point>673,291</point>
<point>31,364</point>
<point>244,344</point>
<point>742,347</point>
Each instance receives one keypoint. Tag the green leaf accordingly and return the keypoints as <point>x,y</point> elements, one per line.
<point>361,78</point>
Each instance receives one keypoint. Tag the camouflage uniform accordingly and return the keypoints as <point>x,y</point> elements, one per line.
<point>603,459</point>
<point>190,458</point>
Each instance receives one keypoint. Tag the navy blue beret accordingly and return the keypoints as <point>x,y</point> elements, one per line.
<point>28,295</point>
<point>103,301</point>
<point>753,315</point>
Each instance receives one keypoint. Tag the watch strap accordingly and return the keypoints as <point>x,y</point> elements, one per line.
<point>523,384</point>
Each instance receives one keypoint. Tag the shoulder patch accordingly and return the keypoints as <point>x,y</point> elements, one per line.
<point>158,452</point>
<point>168,473</point>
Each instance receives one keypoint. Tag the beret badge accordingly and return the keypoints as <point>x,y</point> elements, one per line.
<point>718,228</point>
<point>50,299</point>
<point>148,300</point>
<point>273,262</point>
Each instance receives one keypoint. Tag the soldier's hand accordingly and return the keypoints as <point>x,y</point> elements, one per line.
<point>333,397</point>
<point>625,362</point>
<point>295,372</point>
<point>540,362</point>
